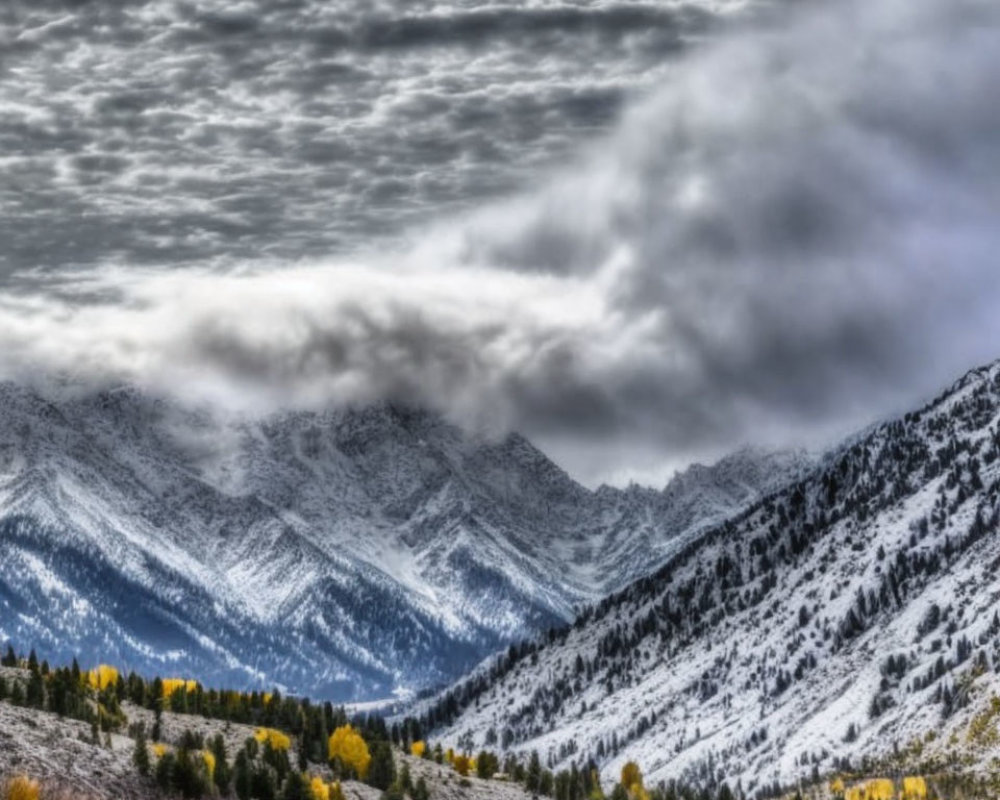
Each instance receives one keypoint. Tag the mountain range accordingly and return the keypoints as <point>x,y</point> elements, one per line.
<point>849,618</point>
<point>345,554</point>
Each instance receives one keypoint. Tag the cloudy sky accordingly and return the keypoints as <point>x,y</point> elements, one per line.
<point>639,232</point>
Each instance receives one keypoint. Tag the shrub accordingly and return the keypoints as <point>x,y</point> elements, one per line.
<point>22,788</point>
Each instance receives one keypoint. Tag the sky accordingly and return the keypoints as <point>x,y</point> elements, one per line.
<point>640,233</point>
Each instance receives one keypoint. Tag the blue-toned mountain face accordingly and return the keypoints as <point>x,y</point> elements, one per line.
<point>347,554</point>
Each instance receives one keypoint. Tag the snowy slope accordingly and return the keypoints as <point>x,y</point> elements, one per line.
<point>349,554</point>
<point>853,611</point>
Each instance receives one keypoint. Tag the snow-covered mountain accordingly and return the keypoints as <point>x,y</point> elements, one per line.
<point>347,554</point>
<point>850,613</point>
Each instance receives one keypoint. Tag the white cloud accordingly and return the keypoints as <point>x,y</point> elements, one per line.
<point>794,234</point>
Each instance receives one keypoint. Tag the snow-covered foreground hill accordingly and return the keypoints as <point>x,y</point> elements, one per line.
<point>346,554</point>
<point>849,613</point>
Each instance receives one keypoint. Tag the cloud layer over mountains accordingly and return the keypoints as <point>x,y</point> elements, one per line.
<point>793,232</point>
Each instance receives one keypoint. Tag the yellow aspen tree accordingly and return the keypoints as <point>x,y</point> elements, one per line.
<point>275,738</point>
<point>102,676</point>
<point>347,745</point>
<point>914,788</point>
<point>318,789</point>
<point>23,788</point>
<point>632,781</point>
<point>417,749</point>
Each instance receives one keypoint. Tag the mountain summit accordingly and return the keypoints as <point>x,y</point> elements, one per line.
<point>348,554</point>
<point>851,615</point>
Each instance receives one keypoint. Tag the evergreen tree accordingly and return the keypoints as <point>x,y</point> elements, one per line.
<point>36,689</point>
<point>420,790</point>
<point>304,751</point>
<point>9,660</point>
<point>165,772</point>
<point>188,776</point>
<point>263,784</point>
<point>242,779</point>
<point>296,788</point>
<point>382,770</point>
<point>533,778</point>
<point>140,755</point>
<point>222,774</point>
<point>487,764</point>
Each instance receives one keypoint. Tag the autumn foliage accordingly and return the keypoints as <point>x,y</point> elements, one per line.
<point>417,749</point>
<point>171,685</point>
<point>914,789</point>
<point>102,677</point>
<point>632,781</point>
<point>22,788</point>
<point>347,746</point>
<point>275,738</point>
<point>318,790</point>
<point>462,764</point>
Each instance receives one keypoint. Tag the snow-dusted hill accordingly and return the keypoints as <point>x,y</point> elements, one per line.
<point>346,554</point>
<point>853,611</point>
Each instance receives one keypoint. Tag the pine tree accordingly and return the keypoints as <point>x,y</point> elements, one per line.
<point>188,778</point>
<point>420,790</point>
<point>533,779</point>
<point>222,774</point>
<point>140,755</point>
<point>36,689</point>
<point>263,783</point>
<point>9,660</point>
<point>165,771</point>
<point>241,776</point>
<point>296,788</point>
<point>303,751</point>
<point>487,764</point>
<point>382,771</point>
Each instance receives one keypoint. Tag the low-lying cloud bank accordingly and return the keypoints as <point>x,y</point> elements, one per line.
<point>795,234</point>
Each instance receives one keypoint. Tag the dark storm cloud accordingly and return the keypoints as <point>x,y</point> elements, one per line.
<point>794,232</point>
<point>482,27</point>
<point>330,106</point>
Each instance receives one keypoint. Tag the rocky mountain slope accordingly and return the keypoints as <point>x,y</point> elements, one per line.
<point>854,613</point>
<point>60,754</point>
<point>345,554</point>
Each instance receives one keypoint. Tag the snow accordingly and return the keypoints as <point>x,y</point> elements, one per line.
<point>381,549</point>
<point>742,651</point>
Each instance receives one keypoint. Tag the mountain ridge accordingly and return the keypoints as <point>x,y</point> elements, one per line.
<point>843,616</point>
<point>350,553</point>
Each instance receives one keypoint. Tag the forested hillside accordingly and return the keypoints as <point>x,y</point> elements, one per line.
<point>850,615</point>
